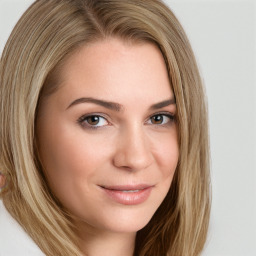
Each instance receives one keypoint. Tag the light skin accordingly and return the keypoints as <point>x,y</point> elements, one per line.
<point>110,123</point>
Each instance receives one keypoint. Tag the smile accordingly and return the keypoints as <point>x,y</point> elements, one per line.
<point>128,195</point>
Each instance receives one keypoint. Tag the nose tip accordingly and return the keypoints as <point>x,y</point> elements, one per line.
<point>133,153</point>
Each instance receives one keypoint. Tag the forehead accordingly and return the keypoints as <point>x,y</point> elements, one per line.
<point>113,69</point>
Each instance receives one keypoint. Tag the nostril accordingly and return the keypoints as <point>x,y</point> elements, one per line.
<point>132,161</point>
<point>132,152</point>
<point>127,168</point>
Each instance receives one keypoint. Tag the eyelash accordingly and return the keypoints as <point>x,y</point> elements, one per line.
<point>83,120</point>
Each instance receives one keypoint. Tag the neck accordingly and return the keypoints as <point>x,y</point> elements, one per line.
<point>98,243</point>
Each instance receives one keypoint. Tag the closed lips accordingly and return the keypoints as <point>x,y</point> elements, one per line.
<point>128,195</point>
<point>127,188</point>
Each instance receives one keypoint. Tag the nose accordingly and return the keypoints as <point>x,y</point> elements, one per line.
<point>133,150</point>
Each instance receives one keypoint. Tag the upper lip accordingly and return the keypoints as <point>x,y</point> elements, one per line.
<point>127,187</point>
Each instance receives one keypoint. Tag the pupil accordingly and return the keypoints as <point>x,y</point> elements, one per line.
<point>157,119</point>
<point>93,120</point>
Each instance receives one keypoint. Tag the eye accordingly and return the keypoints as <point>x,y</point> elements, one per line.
<point>93,121</point>
<point>161,119</point>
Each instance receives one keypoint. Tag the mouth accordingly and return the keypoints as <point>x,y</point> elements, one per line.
<point>128,194</point>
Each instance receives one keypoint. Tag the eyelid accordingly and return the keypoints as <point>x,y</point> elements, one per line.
<point>90,114</point>
<point>83,118</point>
<point>163,113</point>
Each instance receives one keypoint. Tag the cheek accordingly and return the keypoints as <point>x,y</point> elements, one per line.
<point>168,158</point>
<point>69,158</point>
<point>166,153</point>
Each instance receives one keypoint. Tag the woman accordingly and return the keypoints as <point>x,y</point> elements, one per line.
<point>104,141</point>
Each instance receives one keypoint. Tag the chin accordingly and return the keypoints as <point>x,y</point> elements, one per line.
<point>130,224</point>
<point>128,219</point>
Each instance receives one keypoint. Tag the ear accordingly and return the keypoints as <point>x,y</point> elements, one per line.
<point>3,182</point>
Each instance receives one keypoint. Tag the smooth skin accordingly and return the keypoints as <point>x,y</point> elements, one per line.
<point>110,123</point>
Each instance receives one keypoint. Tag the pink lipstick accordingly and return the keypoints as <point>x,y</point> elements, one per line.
<point>128,194</point>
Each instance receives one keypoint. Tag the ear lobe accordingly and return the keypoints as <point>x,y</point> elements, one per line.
<point>3,183</point>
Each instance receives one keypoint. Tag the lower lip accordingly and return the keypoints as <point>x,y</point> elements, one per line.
<point>129,198</point>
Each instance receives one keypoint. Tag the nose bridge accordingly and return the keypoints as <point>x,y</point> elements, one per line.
<point>133,150</point>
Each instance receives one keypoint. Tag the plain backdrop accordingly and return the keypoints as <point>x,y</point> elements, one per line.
<point>223,36</point>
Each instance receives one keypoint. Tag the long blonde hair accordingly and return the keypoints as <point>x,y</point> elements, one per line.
<point>48,32</point>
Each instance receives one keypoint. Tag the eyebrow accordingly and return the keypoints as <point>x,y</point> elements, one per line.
<point>163,104</point>
<point>116,106</point>
<point>103,103</point>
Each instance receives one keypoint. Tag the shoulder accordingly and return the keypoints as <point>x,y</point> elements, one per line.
<point>13,239</point>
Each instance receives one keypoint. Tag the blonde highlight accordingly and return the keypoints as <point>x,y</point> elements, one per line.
<point>49,32</point>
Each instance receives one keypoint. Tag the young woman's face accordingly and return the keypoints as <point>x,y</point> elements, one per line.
<point>108,138</point>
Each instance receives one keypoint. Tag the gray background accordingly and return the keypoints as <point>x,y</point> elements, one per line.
<point>223,36</point>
